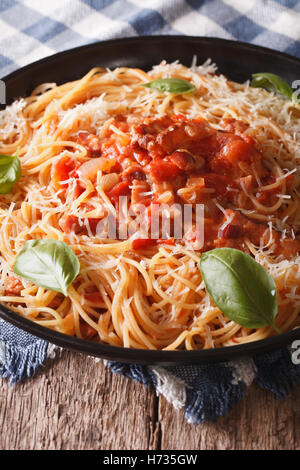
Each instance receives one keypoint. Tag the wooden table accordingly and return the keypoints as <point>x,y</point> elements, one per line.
<point>76,403</point>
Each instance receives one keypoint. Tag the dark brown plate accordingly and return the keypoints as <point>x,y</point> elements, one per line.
<point>236,60</point>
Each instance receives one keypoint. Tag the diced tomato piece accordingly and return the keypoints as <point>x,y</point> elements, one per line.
<point>196,182</point>
<point>61,169</point>
<point>183,160</point>
<point>83,137</point>
<point>218,182</point>
<point>93,222</point>
<point>210,146</point>
<point>94,297</point>
<point>78,189</point>
<point>87,331</point>
<point>141,243</point>
<point>69,223</point>
<point>116,168</point>
<point>91,142</point>
<point>183,135</point>
<point>13,286</point>
<point>231,231</point>
<point>237,151</point>
<point>232,225</point>
<point>161,170</point>
<point>120,189</point>
<point>141,156</point>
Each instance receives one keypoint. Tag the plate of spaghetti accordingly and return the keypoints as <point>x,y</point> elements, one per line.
<point>150,199</point>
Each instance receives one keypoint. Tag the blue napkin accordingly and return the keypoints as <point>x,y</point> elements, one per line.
<point>36,29</point>
<point>204,391</point>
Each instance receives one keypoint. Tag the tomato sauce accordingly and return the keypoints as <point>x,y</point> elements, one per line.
<point>13,286</point>
<point>192,163</point>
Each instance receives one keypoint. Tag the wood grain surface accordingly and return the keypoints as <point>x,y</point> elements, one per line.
<point>77,403</point>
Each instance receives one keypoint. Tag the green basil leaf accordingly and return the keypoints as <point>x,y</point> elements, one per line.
<point>10,172</point>
<point>48,263</point>
<point>272,82</point>
<point>240,287</point>
<point>171,85</point>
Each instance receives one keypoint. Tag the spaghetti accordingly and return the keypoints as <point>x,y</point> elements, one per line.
<point>83,144</point>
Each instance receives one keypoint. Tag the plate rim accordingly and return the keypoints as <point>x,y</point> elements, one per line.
<point>147,356</point>
<point>232,43</point>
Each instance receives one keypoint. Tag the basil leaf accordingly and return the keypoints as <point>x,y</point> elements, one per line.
<point>10,172</point>
<point>48,263</point>
<point>240,287</point>
<point>171,85</point>
<point>272,82</point>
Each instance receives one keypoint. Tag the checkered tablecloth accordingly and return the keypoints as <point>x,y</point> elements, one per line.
<point>32,29</point>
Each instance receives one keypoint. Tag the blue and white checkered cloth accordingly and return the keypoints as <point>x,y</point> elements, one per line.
<point>32,29</point>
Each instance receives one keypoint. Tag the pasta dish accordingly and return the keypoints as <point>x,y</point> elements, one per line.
<point>102,156</point>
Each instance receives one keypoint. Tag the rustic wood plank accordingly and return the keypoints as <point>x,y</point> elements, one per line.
<point>258,422</point>
<point>77,404</point>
